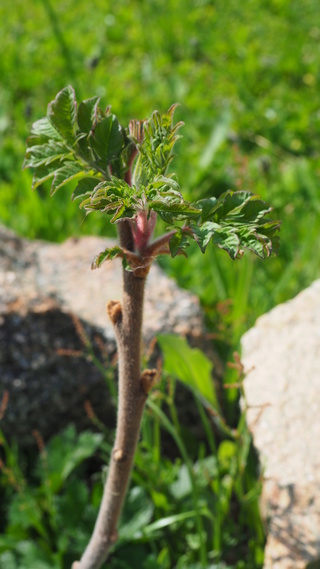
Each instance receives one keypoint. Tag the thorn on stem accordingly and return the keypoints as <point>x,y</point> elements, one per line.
<point>148,379</point>
<point>114,311</point>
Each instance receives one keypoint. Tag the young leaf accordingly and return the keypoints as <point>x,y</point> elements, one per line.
<point>42,174</point>
<point>235,222</point>
<point>42,155</point>
<point>85,187</point>
<point>204,233</point>
<point>62,114</point>
<point>178,243</point>
<point>107,255</point>
<point>87,114</point>
<point>226,238</point>
<point>107,139</point>
<point>45,130</point>
<point>69,171</point>
<point>170,211</point>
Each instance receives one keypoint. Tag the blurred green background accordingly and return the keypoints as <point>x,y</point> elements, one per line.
<point>247,77</point>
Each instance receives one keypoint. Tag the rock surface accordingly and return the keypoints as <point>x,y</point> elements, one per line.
<point>283,390</point>
<point>48,294</point>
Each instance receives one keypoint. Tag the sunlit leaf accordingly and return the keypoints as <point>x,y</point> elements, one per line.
<point>45,130</point>
<point>106,255</point>
<point>85,186</point>
<point>107,139</point>
<point>62,114</point>
<point>178,243</point>
<point>87,114</point>
<point>42,155</point>
<point>68,172</point>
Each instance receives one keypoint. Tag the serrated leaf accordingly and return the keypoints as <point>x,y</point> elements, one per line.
<point>69,171</point>
<point>208,207</point>
<point>232,200</point>
<point>44,129</point>
<point>107,139</point>
<point>87,114</point>
<point>237,223</point>
<point>62,114</point>
<point>85,186</point>
<point>203,233</point>
<point>155,152</point>
<point>42,155</point>
<point>256,243</point>
<point>166,182</point>
<point>42,174</point>
<point>107,255</point>
<point>178,243</point>
<point>228,240</point>
<point>181,209</point>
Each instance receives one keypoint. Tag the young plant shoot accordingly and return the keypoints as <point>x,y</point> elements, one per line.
<point>123,172</point>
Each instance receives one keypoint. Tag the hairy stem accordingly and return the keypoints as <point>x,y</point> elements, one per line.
<point>161,244</point>
<point>127,321</point>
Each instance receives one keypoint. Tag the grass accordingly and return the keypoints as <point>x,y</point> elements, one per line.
<point>196,509</point>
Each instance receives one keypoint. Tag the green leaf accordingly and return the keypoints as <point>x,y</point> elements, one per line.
<point>168,521</point>
<point>42,155</point>
<point>107,255</point>
<point>85,187</point>
<point>177,210</point>
<point>62,114</point>
<point>190,366</point>
<point>207,206</point>
<point>8,560</point>
<point>42,174</point>
<point>226,238</point>
<point>45,130</point>
<point>87,114</point>
<point>68,172</point>
<point>155,152</point>
<point>178,243</point>
<point>137,513</point>
<point>107,139</point>
<point>204,233</point>
<point>235,222</point>
<point>66,451</point>
<point>182,486</point>
<point>34,557</point>
<point>25,512</point>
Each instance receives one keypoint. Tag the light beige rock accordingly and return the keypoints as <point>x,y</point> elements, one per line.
<point>283,392</point>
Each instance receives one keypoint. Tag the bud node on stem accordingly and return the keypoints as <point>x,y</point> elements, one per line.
<point>148,379</point>
<point>114,311</point>
<point>119,455</point>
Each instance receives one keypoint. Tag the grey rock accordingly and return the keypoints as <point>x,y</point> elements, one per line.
<point>283,392</point>
<point>50,298</point>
